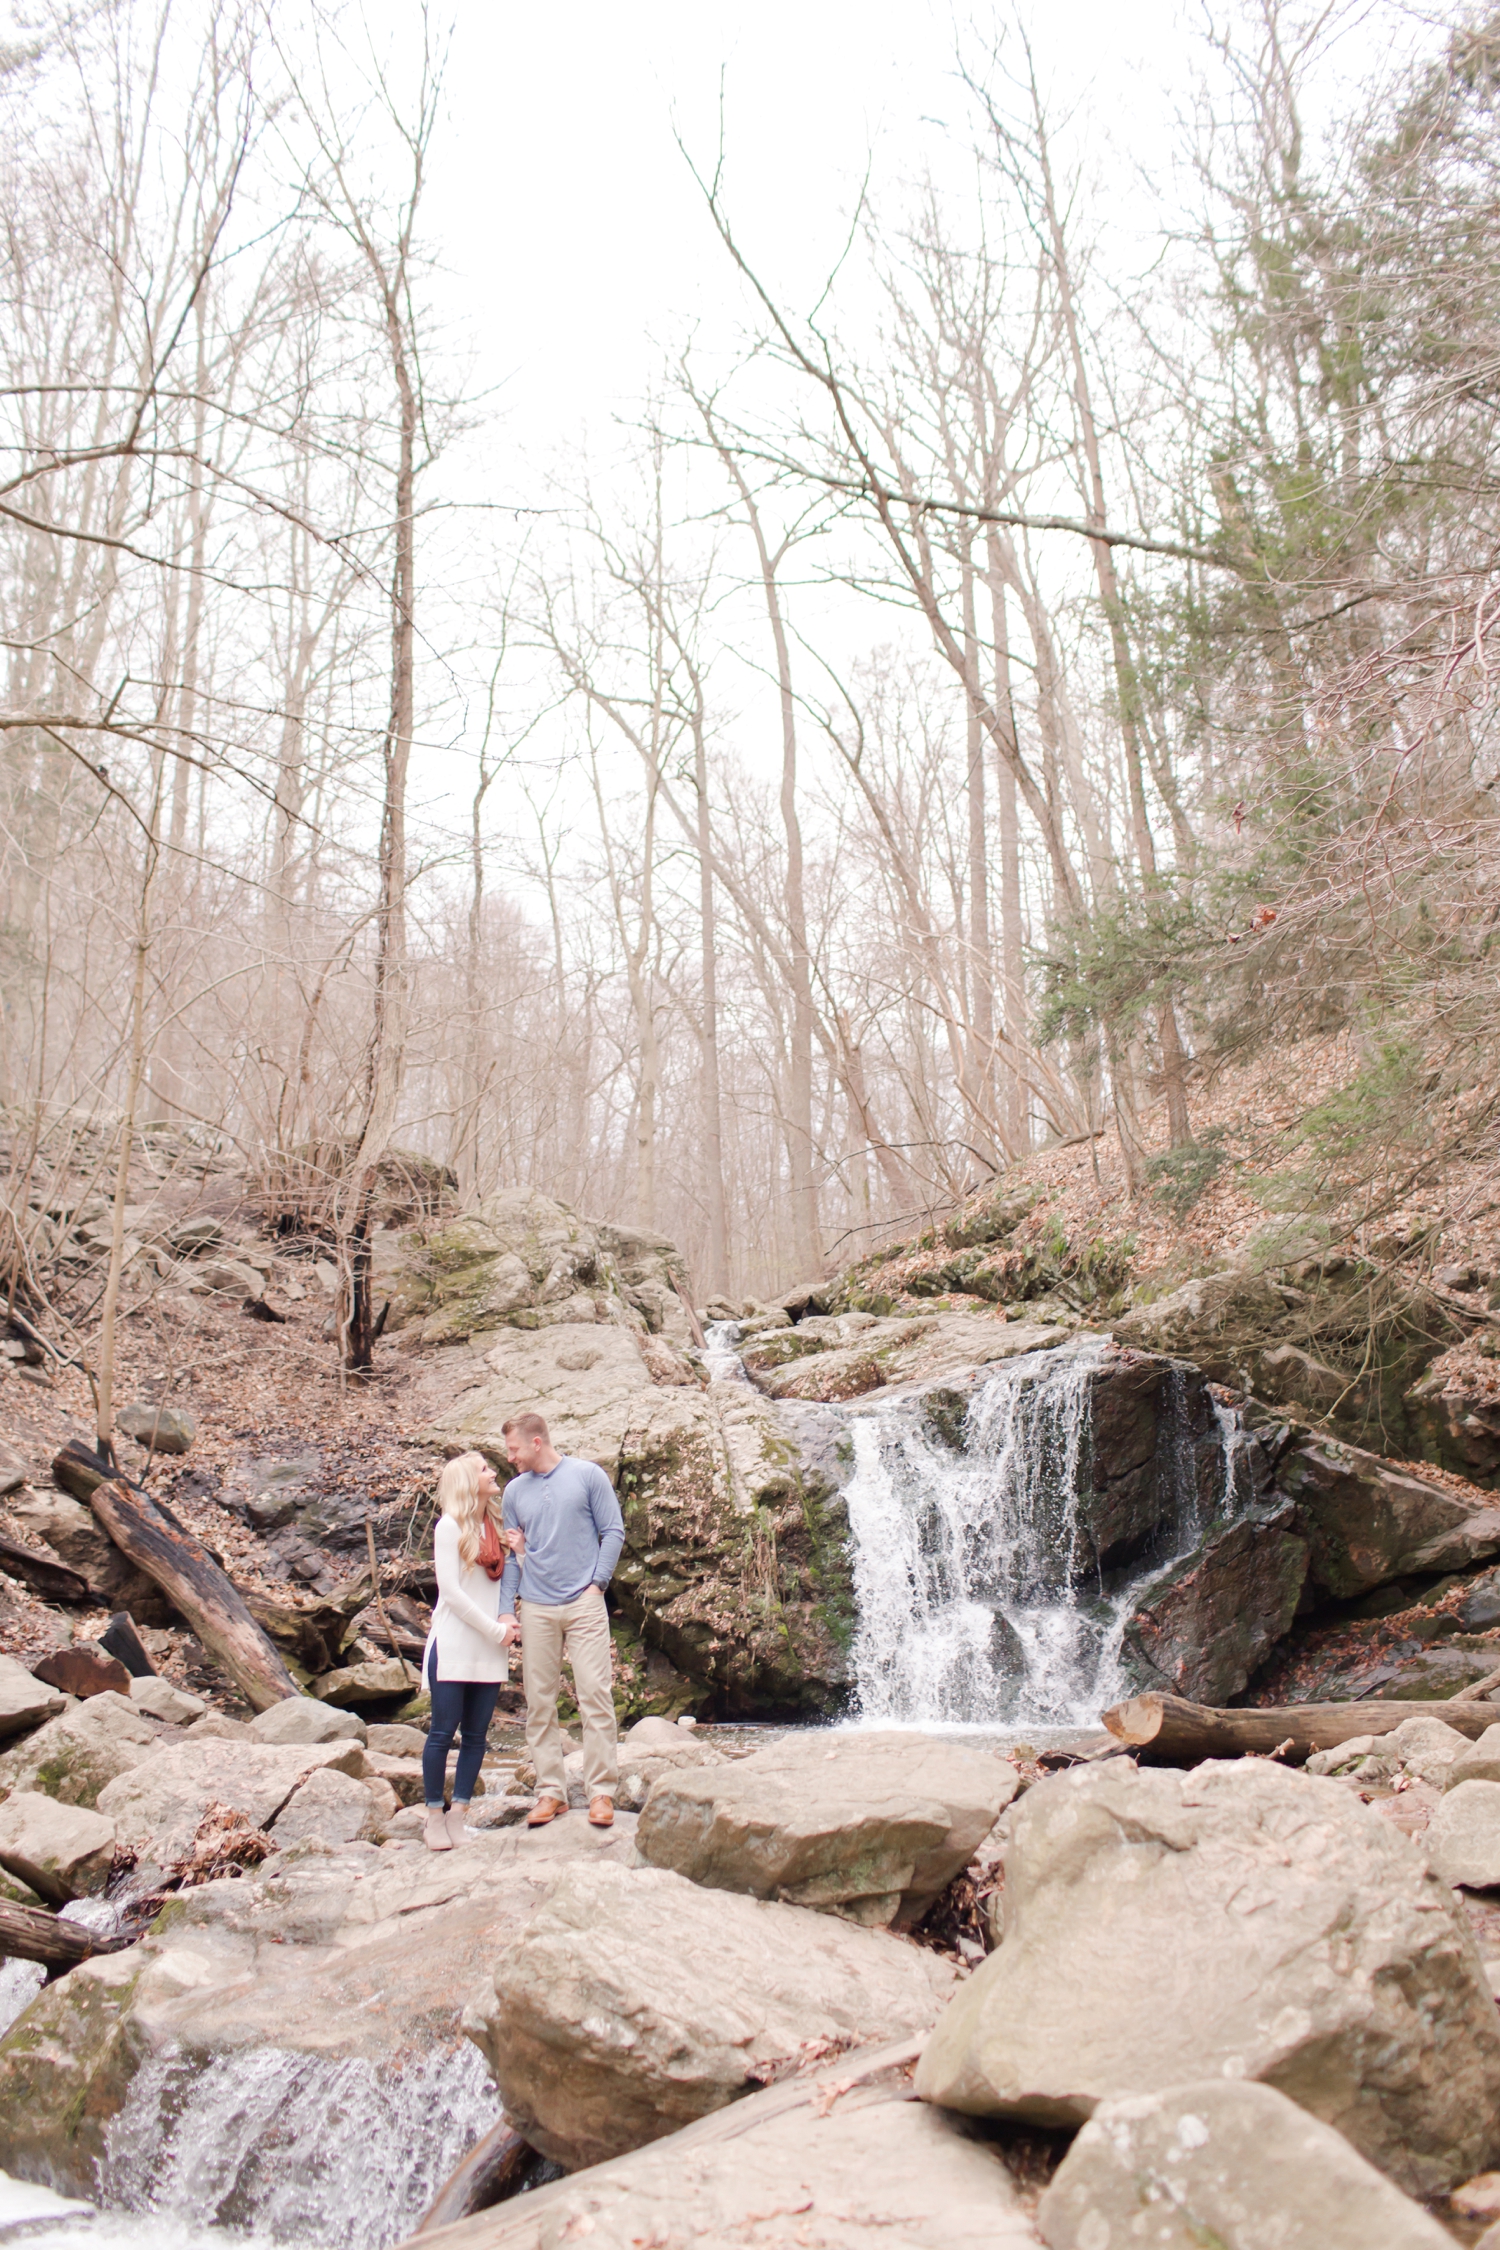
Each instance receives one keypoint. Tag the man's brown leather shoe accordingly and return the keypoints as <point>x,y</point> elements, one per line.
<point>601,1812</point>
<point>545,1809</point>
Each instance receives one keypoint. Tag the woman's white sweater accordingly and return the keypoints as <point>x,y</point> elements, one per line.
<point>465,1622</point>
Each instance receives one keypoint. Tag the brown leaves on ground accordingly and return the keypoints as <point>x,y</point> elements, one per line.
<point>226,1842</point>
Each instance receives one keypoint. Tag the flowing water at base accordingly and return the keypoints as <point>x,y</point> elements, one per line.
<point>297,2148</point>
<point>270,2148</point>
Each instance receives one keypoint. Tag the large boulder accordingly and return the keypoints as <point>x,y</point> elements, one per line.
<point>173,1705</point>
<point>1229,2164</point>
<point>60,1851</point>
<point>526,1261</point>
<point>839,2159</point>
<point>72,1531</point>
<point>375,1681</point>
<point>587,1378</point>
<point>75,1756</point>
<point>25,1701</point>
<point>1365,1521</point>
<point>872,1826</point>
<point>1238,1921</point>
<point>1216,1320</point>
<point>848,1355</point>
<point>360,1956</point>
<point>1462,1839</point>
<point>330,1808</point>
<point>157,1806</point>
<point>301,1718</point>
<point>635,2002</point>
<point>1203,1625</point>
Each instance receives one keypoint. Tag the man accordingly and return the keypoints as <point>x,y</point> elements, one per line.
<point>574,1532</point>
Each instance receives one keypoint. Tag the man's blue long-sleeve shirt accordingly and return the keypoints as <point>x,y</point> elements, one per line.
<point>574,1533</point>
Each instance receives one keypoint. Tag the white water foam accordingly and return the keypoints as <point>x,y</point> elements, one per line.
<point>971,1569</point>
<point>719,1355</point>
<point>294,2149</point>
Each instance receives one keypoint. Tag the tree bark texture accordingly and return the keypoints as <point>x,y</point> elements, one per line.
<point>1165,1730</point>
<point>28,1933</point>
<point>195,1585</point>
<point>481,2180</point>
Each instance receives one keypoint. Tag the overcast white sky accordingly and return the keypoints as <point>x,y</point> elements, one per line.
<point>575,247</point>
<point>574,240</point>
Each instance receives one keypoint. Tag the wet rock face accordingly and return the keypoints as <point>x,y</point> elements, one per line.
<point>735,1562</point>
<point>1156,1456</point>
<point>1205,1625</point>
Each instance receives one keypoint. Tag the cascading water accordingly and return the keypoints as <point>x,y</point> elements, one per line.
<point>971,1569</point>
<point>719,1355</point>
<point>296,2149</point>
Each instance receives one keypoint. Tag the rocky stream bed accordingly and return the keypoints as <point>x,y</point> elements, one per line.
<point>890,1942</point>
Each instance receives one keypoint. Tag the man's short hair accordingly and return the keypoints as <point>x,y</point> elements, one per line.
<point>529,1425</point>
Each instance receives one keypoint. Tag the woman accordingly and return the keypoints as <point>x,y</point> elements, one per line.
<point>464,1661</point>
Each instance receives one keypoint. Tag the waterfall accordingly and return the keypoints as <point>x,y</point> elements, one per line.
<point>295,2149</point>
<point>719,1355</point>
<point>972,1569</point>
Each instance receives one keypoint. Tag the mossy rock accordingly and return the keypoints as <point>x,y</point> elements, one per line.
<point>994,1220</point>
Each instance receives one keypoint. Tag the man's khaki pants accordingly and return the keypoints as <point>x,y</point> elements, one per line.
<point>578,1630</point>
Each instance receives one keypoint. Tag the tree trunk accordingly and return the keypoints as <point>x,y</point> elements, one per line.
<point>52,1581</point>
<point>480,2180</point>
<point>1012,904</point>
<point>194,1584</point>
<point>105,1387</point>
<point>1166,1730</point>
<point>980,979</point>
<point>1126,687</point>
<point>716,1263</point>
<point>27,1933</point>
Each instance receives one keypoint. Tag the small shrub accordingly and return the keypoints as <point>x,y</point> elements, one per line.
<point>1179,1177</point>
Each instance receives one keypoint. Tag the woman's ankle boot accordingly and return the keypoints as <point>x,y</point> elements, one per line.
<point>435,1835</point>
<point>454,1822</point>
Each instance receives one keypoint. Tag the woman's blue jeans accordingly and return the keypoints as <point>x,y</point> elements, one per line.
<point>463,1708</point>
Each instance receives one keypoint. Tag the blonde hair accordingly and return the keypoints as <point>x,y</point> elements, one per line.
<point>458,1497</point>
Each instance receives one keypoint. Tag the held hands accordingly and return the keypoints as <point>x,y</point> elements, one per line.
<point>509,1631</point>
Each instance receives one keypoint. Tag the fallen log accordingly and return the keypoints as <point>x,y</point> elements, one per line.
<point>1165,1730</point>
<point>195,1585</point>
<point>28,1933</point>
<point>52,1580</point>
<point>482,2179</point>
